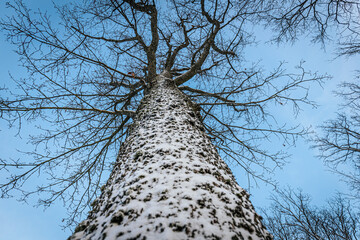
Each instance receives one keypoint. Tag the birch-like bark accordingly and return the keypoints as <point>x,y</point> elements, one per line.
<point>169,182</point>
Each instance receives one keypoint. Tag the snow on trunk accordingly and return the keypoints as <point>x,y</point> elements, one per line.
<point>169,182</point>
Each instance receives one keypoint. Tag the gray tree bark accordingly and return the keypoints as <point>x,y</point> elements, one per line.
<point>169,182</point>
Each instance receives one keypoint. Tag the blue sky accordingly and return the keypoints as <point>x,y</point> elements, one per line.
<point>23,221</point>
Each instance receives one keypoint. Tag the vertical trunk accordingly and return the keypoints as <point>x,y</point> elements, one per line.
<point>169,182</point>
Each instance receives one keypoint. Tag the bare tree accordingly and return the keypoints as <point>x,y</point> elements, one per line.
<point>324,21</point>
<point>87,78</point>
<point>317,19</point>
<point>292,216</point>
<point>338,144</point>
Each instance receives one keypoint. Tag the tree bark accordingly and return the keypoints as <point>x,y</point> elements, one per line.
<point>169,182</point>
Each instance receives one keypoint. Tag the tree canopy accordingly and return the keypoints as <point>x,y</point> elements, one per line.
<point>88,70</point>
<point>331,21</point>
<point>291,216</point>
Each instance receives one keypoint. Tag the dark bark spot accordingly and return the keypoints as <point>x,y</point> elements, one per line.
<point>247,227</point>
<point>201,203</point>
<point>107,207</point>
<point>92,228</point>
<point>236,238</point>
<point>187,198</point>
<point>239,195</point>
<point>148,197</point>
<point>137,155</point>
<point>163,197</point>
<point>80,228</point>
<point>237,212</point>
<point>176,227</point>
<point>216,237</point>
<point>118,218</point>
<point>202,154</point>
<point>104,236</point>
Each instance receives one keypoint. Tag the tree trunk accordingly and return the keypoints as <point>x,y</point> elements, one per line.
<point>169,182</point>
